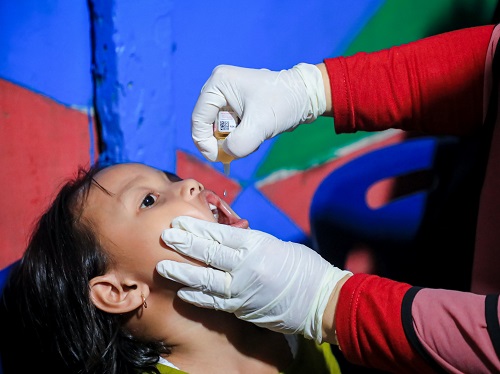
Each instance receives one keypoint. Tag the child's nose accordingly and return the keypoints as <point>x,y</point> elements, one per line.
<point>191,187</point>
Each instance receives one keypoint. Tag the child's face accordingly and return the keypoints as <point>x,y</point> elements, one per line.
<point>142,204</point>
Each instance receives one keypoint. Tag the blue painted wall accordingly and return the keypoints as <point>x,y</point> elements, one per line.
<point>152,58</point>
<point>133,51</point>
<point>268,34</point>
<point>45,46</point>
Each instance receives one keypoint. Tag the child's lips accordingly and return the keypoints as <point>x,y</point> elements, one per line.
<point>222,211</point>
<point>241,223</point>
<point>233,219</point>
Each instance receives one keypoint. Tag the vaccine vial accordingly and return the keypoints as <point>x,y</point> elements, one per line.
<point>225,123</point>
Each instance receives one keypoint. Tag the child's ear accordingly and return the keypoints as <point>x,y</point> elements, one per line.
<point>112,295</point>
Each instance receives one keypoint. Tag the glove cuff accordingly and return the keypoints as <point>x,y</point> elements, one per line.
<point>313,81</point>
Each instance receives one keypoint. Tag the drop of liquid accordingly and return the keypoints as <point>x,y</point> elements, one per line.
<point>226,171</point>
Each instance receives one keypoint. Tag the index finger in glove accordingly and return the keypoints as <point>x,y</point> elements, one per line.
<point>202,120</point>
<point>208,250</point>
<point>205,113</point>
<point>234,237</point>
<point>203,279</point>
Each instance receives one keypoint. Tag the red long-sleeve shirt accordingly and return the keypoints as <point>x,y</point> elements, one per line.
<point>438,85</point>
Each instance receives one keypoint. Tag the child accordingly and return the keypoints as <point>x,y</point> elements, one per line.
<point>86,298</point>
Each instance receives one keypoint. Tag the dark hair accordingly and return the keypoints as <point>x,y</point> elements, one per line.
<point>47,317</point>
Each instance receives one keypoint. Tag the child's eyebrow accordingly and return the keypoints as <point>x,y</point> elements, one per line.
<point>107,192</point>
<point>171,176</point>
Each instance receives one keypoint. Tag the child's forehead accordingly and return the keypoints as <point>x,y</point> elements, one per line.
<point>117,179</point>
<point>138,168</point>
<point>126,169</point>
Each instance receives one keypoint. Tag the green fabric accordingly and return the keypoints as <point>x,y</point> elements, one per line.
<point>311,358</point>
<point>168,370</point>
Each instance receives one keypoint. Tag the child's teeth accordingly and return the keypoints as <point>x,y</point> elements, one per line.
<point>215,211</point>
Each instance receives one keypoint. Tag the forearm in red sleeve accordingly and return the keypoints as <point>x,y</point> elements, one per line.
<point>369,325</point>
<point>433,85</point>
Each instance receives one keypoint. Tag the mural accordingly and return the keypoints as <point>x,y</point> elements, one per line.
<point>117,81</point>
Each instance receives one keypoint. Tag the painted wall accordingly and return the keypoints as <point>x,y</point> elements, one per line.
<point>46,94</point>
<point>128,74</point>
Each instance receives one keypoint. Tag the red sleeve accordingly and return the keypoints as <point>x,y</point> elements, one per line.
<point>369,325</point>
<point>433,85</point>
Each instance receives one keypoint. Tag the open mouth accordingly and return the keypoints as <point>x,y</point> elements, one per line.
<point>222,212</point>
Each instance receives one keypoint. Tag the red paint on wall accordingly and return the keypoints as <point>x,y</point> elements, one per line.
<point>299,188</point>
<point>41,144</point>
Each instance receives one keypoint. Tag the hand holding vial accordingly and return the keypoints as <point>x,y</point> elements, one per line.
<point>267,102</point>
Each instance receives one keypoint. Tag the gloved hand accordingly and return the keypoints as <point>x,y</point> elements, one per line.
<point>282,286</point>
<point>267,102</point>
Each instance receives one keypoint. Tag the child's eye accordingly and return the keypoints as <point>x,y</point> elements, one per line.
<point>149,200</point>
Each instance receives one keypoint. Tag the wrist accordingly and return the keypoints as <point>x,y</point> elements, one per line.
<point>329,329</point>
<point>326,88</point>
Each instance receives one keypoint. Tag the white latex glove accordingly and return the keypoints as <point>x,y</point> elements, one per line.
<point>267,102</point>
<point>282,286</point>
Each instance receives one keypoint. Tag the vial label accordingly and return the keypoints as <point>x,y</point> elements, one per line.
<point>226,121</point>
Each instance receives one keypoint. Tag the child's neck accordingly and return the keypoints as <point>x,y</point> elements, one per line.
<point>240,347</point>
